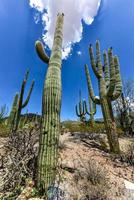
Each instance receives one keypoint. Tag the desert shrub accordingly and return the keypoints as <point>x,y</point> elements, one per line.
<point>128,155</point>
<point>92,181</point>
<point>20,161</point>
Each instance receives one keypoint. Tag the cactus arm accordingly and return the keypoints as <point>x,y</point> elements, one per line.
<point>118,88</point>
<point>80,107</point>
<point>26,76</point>
<point>94,108</point>
<point>23,89</point>
<point>29,95</point>
<point>98,59</point>
<point>20,100</point>
<point>112,73</point>
<point>86,109</point>
<point>11,119</point>
<point>90,88</point>
<point>106,70</point>
<point>93,63</point>
<point>83,106</point>
<point>41,52</point>
<point>82,110</point>
<point>77,113</point>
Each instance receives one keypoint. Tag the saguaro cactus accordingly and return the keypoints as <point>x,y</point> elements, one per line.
<point>51,106</point>
<point>18,104</point>
<point>92,110</point>
<point>80,111</point>
<point>12,116</point>
<point>110,88</point>
<point>22,104</point>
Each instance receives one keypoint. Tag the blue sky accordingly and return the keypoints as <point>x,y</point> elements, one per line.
<point>113,26</point>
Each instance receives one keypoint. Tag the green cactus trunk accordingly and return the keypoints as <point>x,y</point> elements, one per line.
<point>51,106</point>
<point>92,122</point>
<point>110,126</point>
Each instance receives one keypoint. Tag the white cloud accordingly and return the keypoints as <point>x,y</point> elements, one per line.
<point>75,11</point>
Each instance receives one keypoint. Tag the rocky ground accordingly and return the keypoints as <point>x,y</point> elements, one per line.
<point>78,149</point>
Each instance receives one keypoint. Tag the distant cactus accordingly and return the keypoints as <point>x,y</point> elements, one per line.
<point>92,111</point>
<point>110,88</point>
<point>80,109</point>
<point>18,104</point>
<point>51,106</point>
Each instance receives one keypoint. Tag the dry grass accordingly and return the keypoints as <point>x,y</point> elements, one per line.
<point>92,181</point>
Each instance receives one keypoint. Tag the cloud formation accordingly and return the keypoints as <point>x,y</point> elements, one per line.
<point>75,11</point>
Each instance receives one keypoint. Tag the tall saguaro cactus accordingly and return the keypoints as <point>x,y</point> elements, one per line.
<point>51,106</point>
<point>92,110</point>
<point>80,111</point>
<point>110,88</point>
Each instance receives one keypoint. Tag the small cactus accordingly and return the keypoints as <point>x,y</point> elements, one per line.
<point>110,88</point>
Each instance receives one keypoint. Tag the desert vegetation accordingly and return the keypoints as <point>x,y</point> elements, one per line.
<point>88,159</point>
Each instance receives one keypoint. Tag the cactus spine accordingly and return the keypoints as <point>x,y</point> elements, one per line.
<point>92,111</point>
<point>80,111</point>
<point>110,88</point>
<point>51,106</point>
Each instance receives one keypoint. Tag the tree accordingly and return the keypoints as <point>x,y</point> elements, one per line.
<point>124,107</point>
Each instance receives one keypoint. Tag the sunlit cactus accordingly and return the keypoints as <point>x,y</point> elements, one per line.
<point>110,88</point>
<point>51,106</point>
<point>92,111</point>
<point>80,109</point>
